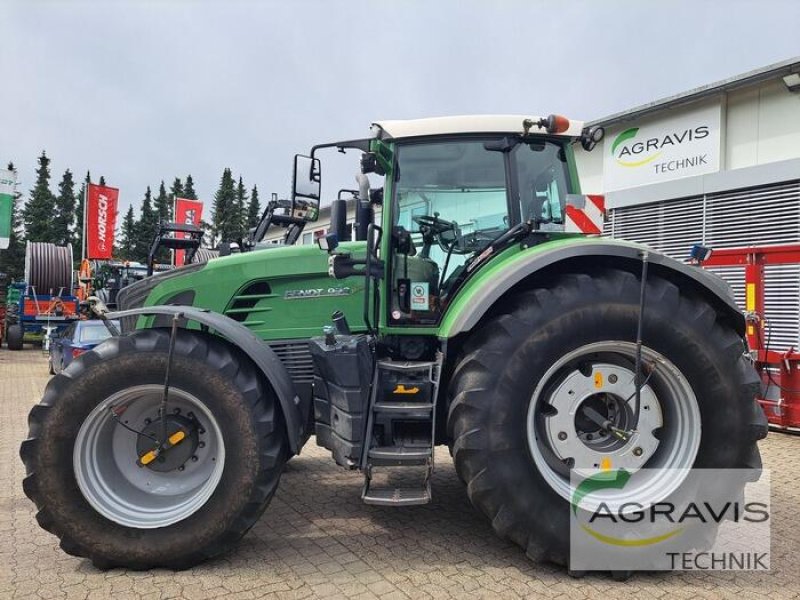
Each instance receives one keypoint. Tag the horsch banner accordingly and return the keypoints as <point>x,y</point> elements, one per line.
<point>101,218</point>
<point>663,149</point>
<point>187,212</point>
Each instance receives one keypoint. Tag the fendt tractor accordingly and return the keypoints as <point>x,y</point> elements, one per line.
<point>474,314</point>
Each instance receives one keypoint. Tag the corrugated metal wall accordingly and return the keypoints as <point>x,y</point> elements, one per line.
<point>752,217</point>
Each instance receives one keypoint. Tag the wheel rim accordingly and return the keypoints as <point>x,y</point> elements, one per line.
<point>105,460</point>
<point>600,376</point>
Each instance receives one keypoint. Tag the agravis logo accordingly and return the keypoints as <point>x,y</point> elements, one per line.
<point>629,151</point>
<point>611,479</point>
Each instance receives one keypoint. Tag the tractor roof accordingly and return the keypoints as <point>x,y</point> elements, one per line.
<point>464,124</point>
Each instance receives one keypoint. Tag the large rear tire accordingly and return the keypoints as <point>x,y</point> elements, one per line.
<point>519,364</point>
<point>15,336</point>
<point>81,462</point>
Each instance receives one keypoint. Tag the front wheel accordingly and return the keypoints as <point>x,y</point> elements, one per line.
<point>537,380</point>
<point>15,336</point>
<point>102,490</point>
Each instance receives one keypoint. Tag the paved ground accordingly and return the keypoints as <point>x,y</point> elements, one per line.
<point>317,540</point>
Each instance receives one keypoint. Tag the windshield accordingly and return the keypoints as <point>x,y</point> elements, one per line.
<point>454,199</point>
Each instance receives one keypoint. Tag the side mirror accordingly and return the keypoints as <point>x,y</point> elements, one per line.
<point>306,187</point>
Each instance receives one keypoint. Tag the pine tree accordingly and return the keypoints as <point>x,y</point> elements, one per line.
<point>38,212</point>
<point>254,210</point>
<point>127,241</point>
<point>175,191</point>
<point>241,210</point>
<point>188,189</point>
<point>102,181</point>
<point>224,224</point>
<point>12,259</point>
<point>162,204</point>
<point>145,227</point>
<point>65,211</point>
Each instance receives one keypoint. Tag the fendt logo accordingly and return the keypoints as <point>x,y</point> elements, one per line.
<point>102,221</point>
<point>632,150</point>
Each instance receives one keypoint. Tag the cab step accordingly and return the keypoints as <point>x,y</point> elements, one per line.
<point>405,409</point>
<point>397,496</point>
<point>399,455</point>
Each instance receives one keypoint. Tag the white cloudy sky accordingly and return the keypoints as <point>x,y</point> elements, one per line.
<point>143,91</point>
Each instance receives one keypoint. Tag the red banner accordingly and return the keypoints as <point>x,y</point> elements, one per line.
<point>101,219</point>
<point>187,212</point>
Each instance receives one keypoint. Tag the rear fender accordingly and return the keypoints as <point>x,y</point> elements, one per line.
<point>294,409</point>
<point>494,281</point>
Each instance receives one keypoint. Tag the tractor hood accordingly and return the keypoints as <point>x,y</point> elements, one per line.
<point>282,293</point>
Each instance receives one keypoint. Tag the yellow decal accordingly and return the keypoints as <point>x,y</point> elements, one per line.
<point>605,464</point>
<point>177,437</point>
<point>750,301</point>
<point>401,389</point>
<point>598,379</point>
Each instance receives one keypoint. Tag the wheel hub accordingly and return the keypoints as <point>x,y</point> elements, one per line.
<point>608,390</point>
<point>173,457</point>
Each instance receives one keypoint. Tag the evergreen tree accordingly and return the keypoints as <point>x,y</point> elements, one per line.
<point>188,189</point>
<point>241,209</point>
<point>175,191</point>
<point>12,259</point>
<point>225,227</point>
<point>38,212</point>
<point>145,227</point>
<point>254,210</point>
<point>127,241</point>
<point>65,211</point>
<point>102,181</point>
<point>163,206</point>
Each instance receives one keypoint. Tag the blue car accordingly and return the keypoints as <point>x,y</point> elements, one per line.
<point>79,337</point>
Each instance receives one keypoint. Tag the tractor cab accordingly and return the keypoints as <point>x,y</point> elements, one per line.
<point>456,191</point>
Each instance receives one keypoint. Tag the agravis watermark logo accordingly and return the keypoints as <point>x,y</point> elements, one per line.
<point>715,520</point>
<point>631,150</point>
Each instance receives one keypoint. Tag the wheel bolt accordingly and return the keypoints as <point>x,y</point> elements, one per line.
<point>612,378</point>
<point>181,468</point>
<point>201,431</point>
<point>177,411</point>
<point>201,444</point>
<point>147,421</point>
<point>638,451</point>
<point>194,458</point>
<point>190,414</point>
<point>562,435</point>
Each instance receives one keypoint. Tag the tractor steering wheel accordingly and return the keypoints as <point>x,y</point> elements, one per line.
<point>446,233</point>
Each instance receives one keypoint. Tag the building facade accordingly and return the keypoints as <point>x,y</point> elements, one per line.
<point>718,166</point>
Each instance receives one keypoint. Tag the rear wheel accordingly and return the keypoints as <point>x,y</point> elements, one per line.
<point>520,392</point>
<point>15,335</point>
<point>101,492</point>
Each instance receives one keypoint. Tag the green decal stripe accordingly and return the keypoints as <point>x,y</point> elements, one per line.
<point>623,137</point>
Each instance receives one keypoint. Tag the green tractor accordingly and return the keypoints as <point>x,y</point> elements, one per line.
<point>473,314</point>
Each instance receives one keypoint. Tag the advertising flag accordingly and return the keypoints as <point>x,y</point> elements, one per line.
<point>187,212</point>
<point>101,219</point>
<point>7,181</point>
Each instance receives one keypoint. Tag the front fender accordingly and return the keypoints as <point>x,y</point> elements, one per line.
<point>501,275</point>
<point>260,353</point>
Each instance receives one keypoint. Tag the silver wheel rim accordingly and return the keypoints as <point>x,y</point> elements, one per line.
<point>665,444</point>
<point>105,455</point>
